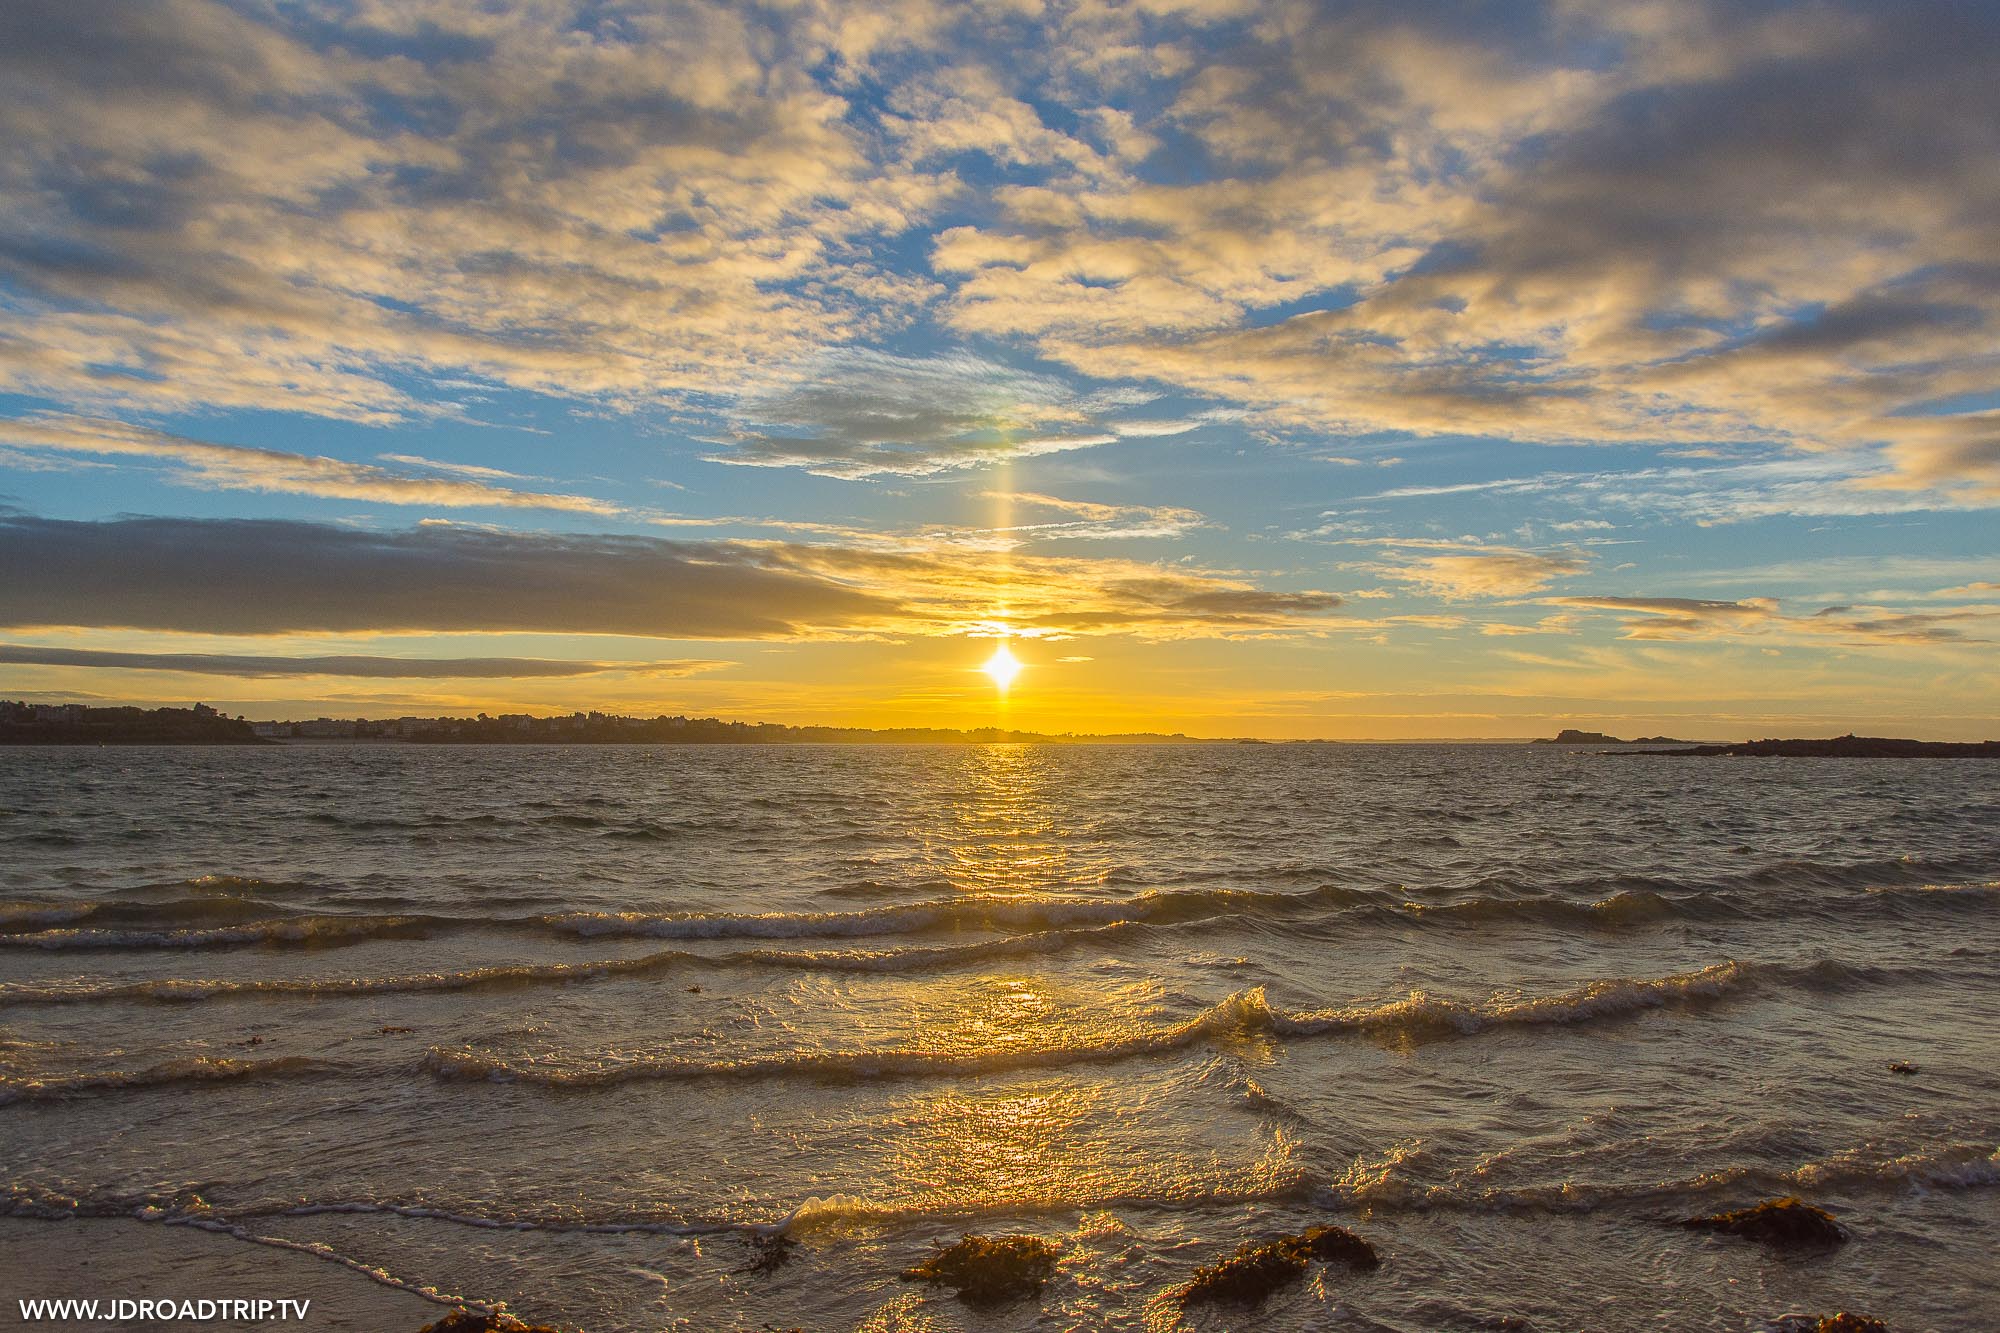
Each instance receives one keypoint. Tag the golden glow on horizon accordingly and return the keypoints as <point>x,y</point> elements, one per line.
<point>1003,666</point>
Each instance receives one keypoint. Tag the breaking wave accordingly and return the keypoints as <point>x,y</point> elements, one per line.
<point>193,1069</point>
<point>188,990</point>
<point>1245,1013</point>
<point>220,921</point>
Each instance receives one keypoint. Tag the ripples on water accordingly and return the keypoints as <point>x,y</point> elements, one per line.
<point>476,1018</point>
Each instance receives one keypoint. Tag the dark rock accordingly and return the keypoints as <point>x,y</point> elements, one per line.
<point>465,1321</point>
<point>392,1030</point>
<point>1249,1275</point>
<point>771,1252</point>
<point>990,1270</point>
<point>1776,1222</point>
<point>1902,1067</point>
<point>1337,1244</point>
<point>1255,1271</point>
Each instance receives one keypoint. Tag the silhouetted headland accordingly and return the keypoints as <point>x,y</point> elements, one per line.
<point>1837,747</point>
<point>74,724</point>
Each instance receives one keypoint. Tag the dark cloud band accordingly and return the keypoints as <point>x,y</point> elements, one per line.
<point>275,577</point>
<point>355,665</point>
<point>267,576</point>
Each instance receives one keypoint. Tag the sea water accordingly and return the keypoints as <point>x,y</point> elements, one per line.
<point>576,1031</point>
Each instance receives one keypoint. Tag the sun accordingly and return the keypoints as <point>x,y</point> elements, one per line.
<point>1003,666</point>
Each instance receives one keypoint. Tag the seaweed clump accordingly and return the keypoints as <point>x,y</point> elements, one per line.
<point>466,1321</point>
<point>990,1270</point>
<point>770,1252</point>
<point>1255,1271</point>
<point>1776,1222</point>
<point>1843,1322</point>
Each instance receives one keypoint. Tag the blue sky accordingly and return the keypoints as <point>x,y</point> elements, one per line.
<point>1287,369</point>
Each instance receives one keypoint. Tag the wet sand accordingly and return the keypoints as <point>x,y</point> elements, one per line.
<point>109,1259</point>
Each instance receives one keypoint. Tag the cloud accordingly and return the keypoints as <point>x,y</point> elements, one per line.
<point>297,208</point>
<point>393,668</point>
<point>272,577</point>
<point>859,414</point>
<point>241,468</point>
<point>1848,484</point>
<point>264,577</point>
<point>458,469</point>
<point>1461,570</point>
<point>1098,522</point>
<point>1687,618</point>
<point>1700,225</point>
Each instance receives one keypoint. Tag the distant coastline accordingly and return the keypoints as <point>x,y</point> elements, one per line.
<point>77,724</point>
<point>1570,736</point>
<point>1836,747</point>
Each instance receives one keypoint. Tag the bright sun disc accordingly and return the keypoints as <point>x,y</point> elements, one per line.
<point>1003,666</point>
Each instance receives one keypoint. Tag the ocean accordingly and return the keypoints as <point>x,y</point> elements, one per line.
<point>581,1031</point>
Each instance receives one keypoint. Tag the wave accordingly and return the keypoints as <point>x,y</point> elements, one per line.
<point>307,930</point>
<point>1969,896</point>
<point>193,1069</point>
<point>832,1212</point>
<point>1629,907</point>
<point>1160,907</point>
<point>182,912</point>
<point>179,990</point>
<point>617,1226</point>
<point>1244,1014</point>
<point>1421,1014</point>
<point>185,1209</point>
<point>1385,1183</point>
<point>229,919</point>
<point>1377,1184</point>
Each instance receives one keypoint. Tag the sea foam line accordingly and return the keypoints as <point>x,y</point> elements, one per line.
<point>1385,1184</point>
<point>1378,1183</point>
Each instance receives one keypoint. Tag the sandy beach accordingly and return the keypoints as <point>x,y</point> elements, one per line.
<point>109,1259</point>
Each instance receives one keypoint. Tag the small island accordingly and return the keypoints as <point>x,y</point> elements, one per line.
<point>1571,736</point>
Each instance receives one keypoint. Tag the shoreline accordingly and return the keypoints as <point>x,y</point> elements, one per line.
<point>112,1258</point>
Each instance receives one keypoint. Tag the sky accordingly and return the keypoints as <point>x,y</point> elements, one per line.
<point>1289,369</point>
